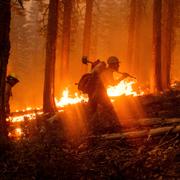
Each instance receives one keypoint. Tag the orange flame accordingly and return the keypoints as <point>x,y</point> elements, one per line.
<point>123,88</point>
<point>20,118</point>
<point>66,99</point>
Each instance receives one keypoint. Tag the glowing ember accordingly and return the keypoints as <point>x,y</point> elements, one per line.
<point>18,131</point>
<point>16,134</point>
<point>20,118</point>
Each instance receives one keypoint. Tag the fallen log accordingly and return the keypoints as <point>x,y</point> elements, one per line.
<point>149,122</point>
<point>140,134</point>
<point>156,121</point>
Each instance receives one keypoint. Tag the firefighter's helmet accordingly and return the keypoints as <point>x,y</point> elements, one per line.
<point>113,60</point>
<point>12,79</point>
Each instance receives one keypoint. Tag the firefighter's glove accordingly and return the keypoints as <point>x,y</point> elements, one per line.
<point>125,75</point>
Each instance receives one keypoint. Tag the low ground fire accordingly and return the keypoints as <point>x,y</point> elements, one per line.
<point>125,87</point>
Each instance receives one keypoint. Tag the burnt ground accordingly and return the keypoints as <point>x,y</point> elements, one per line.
<point>76,145</point>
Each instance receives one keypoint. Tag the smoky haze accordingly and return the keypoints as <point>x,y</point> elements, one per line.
<point>110,33</point>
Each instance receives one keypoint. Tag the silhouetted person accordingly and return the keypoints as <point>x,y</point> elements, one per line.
<point>10,82</point>
<point>103,77</point>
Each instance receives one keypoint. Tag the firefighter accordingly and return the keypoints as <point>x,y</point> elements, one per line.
<point>103,78</point>
<point>11,81</point>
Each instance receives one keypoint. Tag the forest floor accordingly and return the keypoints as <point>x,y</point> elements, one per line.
<point>75,144</point>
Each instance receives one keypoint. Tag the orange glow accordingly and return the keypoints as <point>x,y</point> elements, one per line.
<point>18,131</point>
<point>16,134</point>
<point>66,99</point>
<point>125,87</point>
<point>20,118</point>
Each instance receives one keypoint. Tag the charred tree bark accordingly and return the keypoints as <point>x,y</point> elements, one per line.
<point>48,96</point>
<point>87,29</point>
<point>167,41</point>
<point>156,85</point>
<point>5,17</point>
<point>66,42</point>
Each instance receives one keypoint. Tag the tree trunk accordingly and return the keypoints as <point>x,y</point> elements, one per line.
<point>95,39</point>
<point>87,29</point>
<point>135,37</point>
<point>156,85</point>
<point>66,42</point>
<point>131,34</point>
<point>167,41</point>
<point>5,17</point>
<point>137,68</point>
<point>48,98</point>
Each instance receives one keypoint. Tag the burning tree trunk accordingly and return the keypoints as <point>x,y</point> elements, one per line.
<point>5,17</point>
<point>66,42</point>
<point>48,99</point>
<point>156,84</point>
<point>87,29</point>
<point>167,41</point>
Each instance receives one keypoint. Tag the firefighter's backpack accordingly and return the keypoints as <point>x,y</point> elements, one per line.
<point>86,82</point>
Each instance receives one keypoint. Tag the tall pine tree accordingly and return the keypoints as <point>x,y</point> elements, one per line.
<point>167,41</point>
<point>48,96</point>
<point>5,17</point>
<point>87,29</point>
<point>156,84</point>
<point>65,49</point>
